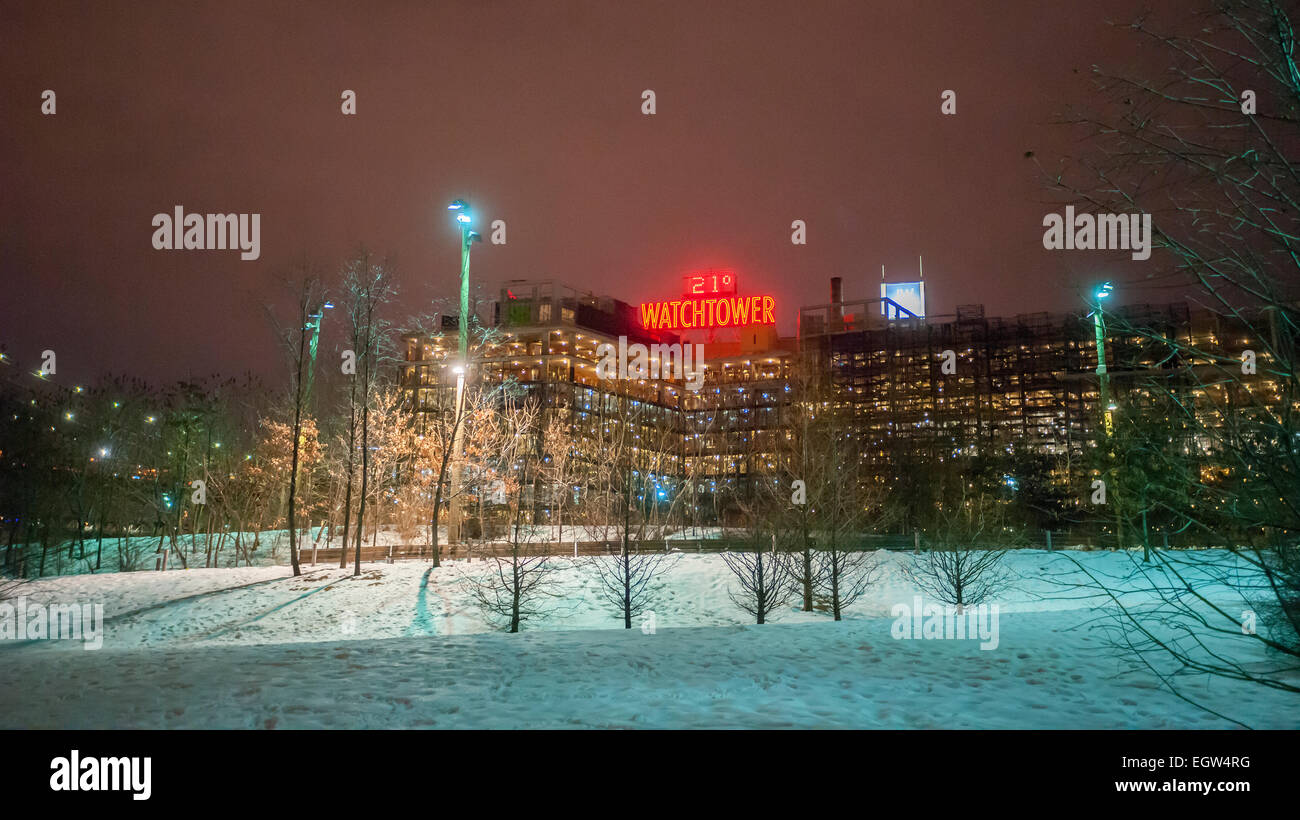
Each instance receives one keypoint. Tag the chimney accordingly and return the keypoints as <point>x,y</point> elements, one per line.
<point>837,303</point>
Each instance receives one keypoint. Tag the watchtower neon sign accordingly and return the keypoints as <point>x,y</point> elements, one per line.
<point>704,306</point>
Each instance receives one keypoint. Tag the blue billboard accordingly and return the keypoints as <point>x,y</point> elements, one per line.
<point>909,295</point>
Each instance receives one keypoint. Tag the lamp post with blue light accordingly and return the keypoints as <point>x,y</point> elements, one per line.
<point>1103,378</point>
<point>464,218</point>
<point>313,324</point>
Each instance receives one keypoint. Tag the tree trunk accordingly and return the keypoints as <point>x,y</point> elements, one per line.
<point>437,503</point>
<point>807,571</point>
<point>835,583</point>
<point>293,467</point>
<point>347,495</point>
<point>365,476</point>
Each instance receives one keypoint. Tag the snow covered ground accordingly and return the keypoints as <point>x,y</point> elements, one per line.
<point>401,645</point>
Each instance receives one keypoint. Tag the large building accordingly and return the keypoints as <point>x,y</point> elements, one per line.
<point>909,386</point>
<point>546,337</point>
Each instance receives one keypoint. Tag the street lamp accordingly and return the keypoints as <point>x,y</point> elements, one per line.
<point>464,218</point>
<point>313,324</point>
<point>1101,293</point>
<point>1103,378</point>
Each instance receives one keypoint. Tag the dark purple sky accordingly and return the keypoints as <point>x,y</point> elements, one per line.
<point>767,112</point>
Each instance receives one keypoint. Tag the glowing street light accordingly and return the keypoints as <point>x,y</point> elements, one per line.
<point>313,324</point>
<point>467,238</point>
<point>1108,407</point>
<point>1103,378</point>
<point>461,207</point>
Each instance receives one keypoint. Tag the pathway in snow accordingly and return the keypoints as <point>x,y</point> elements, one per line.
<point>422,623</point>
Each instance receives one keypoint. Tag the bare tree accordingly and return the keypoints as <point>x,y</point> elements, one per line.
<point>962,563</point>
<point>806,480</point>
<point>1211,150</point>
<point>560,467</point>
<point>763,576</point>
<point>349,442</point>
<point>295,339</point>
<point>442,420</point>
<point>517,586</point>
<point>628,581</point>
<point>478,426</point>
<point>631,580</point>
<point>355,272</point>
<point>847,575</point>
<point>369,286</point>
<point>813,495</point>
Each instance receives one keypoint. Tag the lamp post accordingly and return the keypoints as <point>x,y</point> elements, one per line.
<point>313,324</point>
<point>1103,378</point>
<point>456,510</point>
<point>467,238</point>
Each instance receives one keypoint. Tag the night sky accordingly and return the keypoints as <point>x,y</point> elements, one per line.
<point>767,113</point>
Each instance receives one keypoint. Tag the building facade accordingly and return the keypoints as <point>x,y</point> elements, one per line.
<point>909,389</point>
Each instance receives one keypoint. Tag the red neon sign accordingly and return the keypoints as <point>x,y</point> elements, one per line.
<point>724,311</point>
<point>709,283</point>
